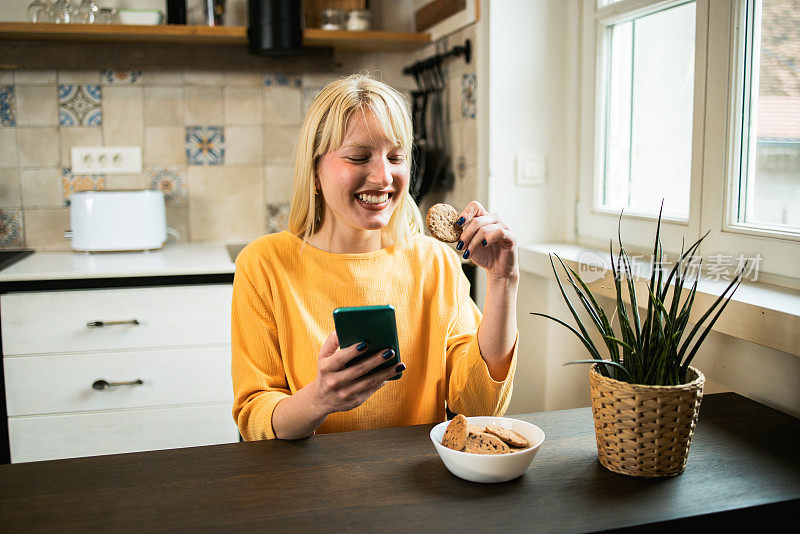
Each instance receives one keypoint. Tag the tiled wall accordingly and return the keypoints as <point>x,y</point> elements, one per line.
<point>219,144</point>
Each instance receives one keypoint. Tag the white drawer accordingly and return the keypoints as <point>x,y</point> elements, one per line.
<point>48,437</point>
<point>63,383</point>
<point>56,321</point>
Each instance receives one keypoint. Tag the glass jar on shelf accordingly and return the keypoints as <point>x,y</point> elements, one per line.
<point>37,11</point>
<point>60,12</point>
<point>86,13</point>
<point>106,15</point>
<point>358,20</point>
<point>332,19</point>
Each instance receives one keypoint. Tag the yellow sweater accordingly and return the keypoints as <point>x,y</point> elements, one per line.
<point>284,294</point>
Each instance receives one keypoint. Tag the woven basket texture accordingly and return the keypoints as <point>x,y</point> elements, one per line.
<point>645,431</point>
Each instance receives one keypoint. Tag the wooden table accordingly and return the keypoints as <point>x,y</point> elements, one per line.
<point>743,464</point>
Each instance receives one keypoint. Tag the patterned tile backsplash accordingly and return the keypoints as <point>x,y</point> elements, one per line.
<point>205,145</point>
<point>468,94</point>
<point>284,80</point>
<point>8,106</point>
<point>120,77</point>
<point>218,144</point>
<point>80,105</point>
<point>277,216</point>
<point>171,181</point>
<point>71,183</point>
<point>11,234</point>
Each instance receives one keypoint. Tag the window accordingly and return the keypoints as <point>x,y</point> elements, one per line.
<point>696,103</point>
<point>650,65</point>
<point>768,192</point>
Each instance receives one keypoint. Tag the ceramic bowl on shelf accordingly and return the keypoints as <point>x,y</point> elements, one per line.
<point>490,467</point>
<point>140,17</point>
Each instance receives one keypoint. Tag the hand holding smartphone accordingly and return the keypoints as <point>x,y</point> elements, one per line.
<point>374,325</point>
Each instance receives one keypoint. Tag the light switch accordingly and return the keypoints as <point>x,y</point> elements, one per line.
<point>531,169</point>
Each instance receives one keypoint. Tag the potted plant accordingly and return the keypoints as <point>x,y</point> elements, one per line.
<point>646,396</point>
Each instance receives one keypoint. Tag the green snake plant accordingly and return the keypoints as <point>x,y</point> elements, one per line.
<point>656,346</point>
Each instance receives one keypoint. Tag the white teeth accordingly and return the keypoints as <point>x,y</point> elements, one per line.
<point>372,199</point>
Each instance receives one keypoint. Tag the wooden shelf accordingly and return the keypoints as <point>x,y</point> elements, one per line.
<point>203,35</point>
<point>367,40</point>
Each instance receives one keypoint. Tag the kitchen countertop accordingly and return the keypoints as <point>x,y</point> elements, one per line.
<point>742,467</point>
<point>172,260</point>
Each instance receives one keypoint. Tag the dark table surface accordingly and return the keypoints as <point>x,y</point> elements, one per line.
<point>743,460</point>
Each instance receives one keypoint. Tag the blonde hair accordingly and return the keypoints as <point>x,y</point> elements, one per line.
<point>323,132</point>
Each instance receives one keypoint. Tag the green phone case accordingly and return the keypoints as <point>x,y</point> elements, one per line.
<point>374,324</point>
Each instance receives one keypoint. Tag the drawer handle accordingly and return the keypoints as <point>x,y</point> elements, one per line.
<point>97,324</point>
<point>101,384</point>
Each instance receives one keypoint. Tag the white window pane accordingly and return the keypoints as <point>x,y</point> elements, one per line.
<point>770,192</point>
<point>618,125</point>
<point>654,109</point>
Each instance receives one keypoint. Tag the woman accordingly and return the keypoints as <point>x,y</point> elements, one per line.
<point>355,239</point>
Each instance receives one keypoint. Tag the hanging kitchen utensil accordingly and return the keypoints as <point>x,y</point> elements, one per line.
<point>429,157</point>
<point>419,153</point>
<point>444,178</point>
<point>431,153</point>
<point>437,174</point>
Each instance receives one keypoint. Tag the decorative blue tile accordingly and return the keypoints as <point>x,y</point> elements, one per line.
<point>170,180</point>
<point>282,80</point>
<point>205,145</point>
<point>11,228</point>
<point>277,217</point>
<point>80,105</point>
<point>120,77</point>
<point>468,95</point>
<point>8,106</point>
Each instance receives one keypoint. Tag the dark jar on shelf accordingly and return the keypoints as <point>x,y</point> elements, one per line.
<point>176,11</point>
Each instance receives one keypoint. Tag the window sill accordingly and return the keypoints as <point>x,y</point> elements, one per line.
<point>759,313</point>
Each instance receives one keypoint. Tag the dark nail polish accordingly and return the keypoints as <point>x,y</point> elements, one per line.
<point>388,354</point>
<point>460,221</point>
<point>459,245</point>
<point>484,243</point>
<point>361,346</point>
<point>466,254</point>
<point>400,368</point>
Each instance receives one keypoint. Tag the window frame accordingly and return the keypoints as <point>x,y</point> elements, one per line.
<point>718,96</point>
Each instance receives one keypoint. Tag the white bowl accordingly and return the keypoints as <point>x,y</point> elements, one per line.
<point>140,17</point>
<point>489,467</point>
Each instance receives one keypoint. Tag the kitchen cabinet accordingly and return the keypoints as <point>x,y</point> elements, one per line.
<point>167,347</point>
<point>125,352</point>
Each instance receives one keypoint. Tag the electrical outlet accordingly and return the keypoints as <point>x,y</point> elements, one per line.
<point>106,160</point>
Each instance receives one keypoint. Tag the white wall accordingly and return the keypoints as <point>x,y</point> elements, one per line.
<point>523,93</point>
<point>528,66</point>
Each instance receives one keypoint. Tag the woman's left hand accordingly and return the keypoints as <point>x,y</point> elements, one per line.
<point>488,241</point>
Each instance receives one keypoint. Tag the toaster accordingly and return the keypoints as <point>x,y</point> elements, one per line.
<point>107,221</point>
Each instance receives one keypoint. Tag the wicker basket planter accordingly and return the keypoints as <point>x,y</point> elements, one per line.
<point>645,431</point>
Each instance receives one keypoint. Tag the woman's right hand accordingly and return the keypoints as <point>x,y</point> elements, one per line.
<point>338,388</point>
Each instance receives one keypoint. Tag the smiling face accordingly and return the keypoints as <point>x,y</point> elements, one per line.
<point>362,182</point>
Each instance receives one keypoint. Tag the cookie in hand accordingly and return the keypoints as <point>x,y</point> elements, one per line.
<point>441,221</point>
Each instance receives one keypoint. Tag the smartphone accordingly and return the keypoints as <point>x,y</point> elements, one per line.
<point>374,324</point>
